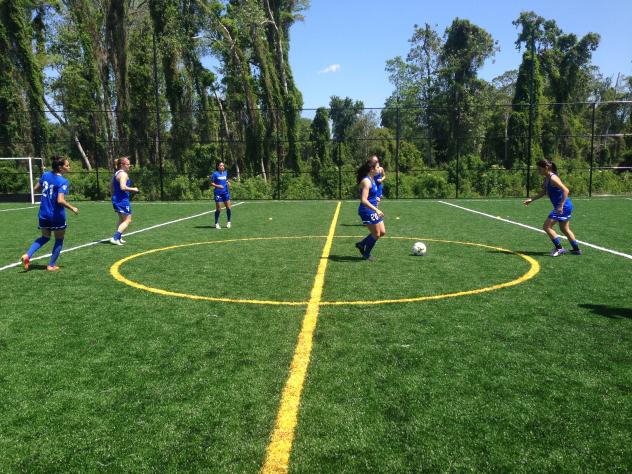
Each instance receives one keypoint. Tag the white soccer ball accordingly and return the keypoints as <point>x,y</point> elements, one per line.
<point>419,248</point>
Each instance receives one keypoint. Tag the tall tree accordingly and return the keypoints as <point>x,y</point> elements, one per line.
<point>343,114</point>
<point>458,88</point>
<point>565,61</point>
<point>17,37</point>
<point>522,112</point>
<point>319,137</point>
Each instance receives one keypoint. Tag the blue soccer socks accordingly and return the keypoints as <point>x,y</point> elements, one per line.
<point>38,244</point>
<point>59,243</point>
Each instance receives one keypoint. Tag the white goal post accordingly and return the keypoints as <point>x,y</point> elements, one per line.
<point>30,160</point>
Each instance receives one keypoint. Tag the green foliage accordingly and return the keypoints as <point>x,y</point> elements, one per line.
<point>518,126</point>
<point>425,184</point>
<point>319,138</point>
<point>343,114</point>
<point>409,157</point>
<point>182,188</point>
<point>24,78</point>
<point>14,179</point>
<point>299,187</point>
<point>249,113</point>
<point>252,188</point>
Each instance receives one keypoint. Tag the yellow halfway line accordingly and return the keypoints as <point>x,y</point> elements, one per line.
<point>280,447</point>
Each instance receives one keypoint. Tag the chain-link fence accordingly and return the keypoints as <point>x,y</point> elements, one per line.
<point>428,152</point>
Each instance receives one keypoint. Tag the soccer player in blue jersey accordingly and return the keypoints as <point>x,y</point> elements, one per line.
<point>369,213</point>
<point>379,179</point>
<point>562,208</point>
<point>52,211</point>
<point>121,192</point>
<point>221,192</point>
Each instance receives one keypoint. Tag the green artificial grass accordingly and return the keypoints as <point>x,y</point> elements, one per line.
<point>96,375</point>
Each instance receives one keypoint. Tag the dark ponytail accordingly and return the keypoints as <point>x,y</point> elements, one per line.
<point>547,164</point>
<point>363,171</point>
<point>58,162</point>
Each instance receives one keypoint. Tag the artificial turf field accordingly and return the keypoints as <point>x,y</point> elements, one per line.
<point>97,374</point>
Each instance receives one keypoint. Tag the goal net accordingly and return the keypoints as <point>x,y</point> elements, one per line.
<point>18,176</point>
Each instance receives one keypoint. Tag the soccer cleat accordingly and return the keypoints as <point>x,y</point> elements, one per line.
<point>26,260</point>
<point>558,252</point>
<point>123,241</point>
<point>114,241</point>
<point>53,268</point>
<point>228,225</point>
<point>217,226</point>
<point>369,258</point>
<point>576,251</point>
<point>360,247</point>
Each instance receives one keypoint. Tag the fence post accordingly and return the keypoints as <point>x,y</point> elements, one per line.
<point>458,164</point>
<point>592,149</point>
<point>158,121</point>
<point>278,165</point>
<point>397,139</point>
<point>339,172</point>
<point>94,151</point>
<point>531,111</point>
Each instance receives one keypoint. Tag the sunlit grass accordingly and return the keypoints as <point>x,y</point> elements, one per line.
<point>98,375</point>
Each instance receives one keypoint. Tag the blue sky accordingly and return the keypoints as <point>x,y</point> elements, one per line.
<point>342,46</point>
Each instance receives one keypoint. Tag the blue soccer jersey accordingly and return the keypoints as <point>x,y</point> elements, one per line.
<point>220,178</point>
<point>52,185</point>
<point>120,198</point>
<point>368,215</point>
<point>556,195</point>
<point>118,195</point>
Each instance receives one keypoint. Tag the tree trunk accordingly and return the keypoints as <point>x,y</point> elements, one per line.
<point>75,138</point>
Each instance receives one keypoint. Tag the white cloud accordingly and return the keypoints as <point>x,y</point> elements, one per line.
<point>330,68</point>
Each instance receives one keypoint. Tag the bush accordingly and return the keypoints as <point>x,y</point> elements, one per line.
<point>13,180</point>
<point>252,188</point>
<point>424,185</point>
<point>299,187</point>
<point>182,188</point>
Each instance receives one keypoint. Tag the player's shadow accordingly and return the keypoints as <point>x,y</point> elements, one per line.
<point>609,311</point>
<point>351,225</point>
<point>345,258</point>
<point>532,253</point>
<point>523,252</point>
<point>204,227</point>
<point>35,267</point>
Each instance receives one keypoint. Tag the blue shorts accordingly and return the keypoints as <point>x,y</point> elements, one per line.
<point>222,197</point>
<point>52,224</point>
<point>369,217</point>
<point>564,216</point>
<point>122,208</point>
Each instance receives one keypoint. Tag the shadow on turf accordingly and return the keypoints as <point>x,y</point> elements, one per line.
<point>608,311</point>
<point>35,267</point>
<point>351,225</point>
<point>523,252</point>
<point>345,258</point>
<point>204,227</point>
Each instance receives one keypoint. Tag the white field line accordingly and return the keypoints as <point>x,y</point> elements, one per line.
<point>17,209</point>
<point>603,249</point>
<point>90,244</point>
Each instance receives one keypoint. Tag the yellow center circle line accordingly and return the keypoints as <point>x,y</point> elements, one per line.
<point>116,273</point>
